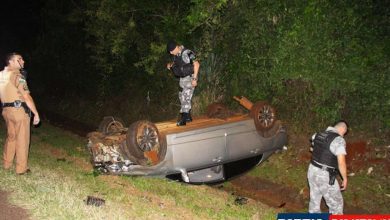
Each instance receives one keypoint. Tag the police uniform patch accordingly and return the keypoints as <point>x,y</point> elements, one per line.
<point>22,80</point>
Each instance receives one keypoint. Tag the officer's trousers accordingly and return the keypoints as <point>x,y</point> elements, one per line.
<point>319,187</point>
<point>185,96</point>
<point>18,138</point>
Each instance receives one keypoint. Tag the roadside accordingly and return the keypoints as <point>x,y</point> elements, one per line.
<point>280,182</point>
<point>62,178</point>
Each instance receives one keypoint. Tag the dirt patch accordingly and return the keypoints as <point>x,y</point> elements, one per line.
<point>8,211</point>
<point>361,157</point>
<point>357,155</point>
<point>58,153</point>
<point>272,194</point>
<point>280,196</point>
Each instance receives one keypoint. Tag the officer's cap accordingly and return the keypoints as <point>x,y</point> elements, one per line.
<point>171,45</point>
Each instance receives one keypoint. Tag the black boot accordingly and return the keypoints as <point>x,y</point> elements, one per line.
<point>183,119</point>
<point>189,118</point>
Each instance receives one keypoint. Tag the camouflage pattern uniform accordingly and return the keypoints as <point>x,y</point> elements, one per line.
<point>185,96</point>
<point>319,182</point>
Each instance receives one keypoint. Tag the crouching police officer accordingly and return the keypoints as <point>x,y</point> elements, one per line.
<point>328,160</point>
<point>186,67</point>
<point>17,105</point>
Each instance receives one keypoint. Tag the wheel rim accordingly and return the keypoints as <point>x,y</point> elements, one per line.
<point>266,116</point>
<point>147,138</point>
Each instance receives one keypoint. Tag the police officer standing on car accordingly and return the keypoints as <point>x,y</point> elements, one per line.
<point>17,105</point>
<point>186,67</point>
<point>328,161</point>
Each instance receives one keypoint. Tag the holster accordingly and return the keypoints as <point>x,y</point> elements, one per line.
<point>26,109</point>
<point>333,172</point>
<point>332,176</point>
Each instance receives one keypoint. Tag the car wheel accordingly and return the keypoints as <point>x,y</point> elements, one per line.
<point>217,110</point>
<point>110,125</point>
<point>264,116</point>
<point>274,130</point>
<point>144,143</point>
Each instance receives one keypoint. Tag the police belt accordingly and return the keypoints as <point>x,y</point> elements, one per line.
<point>329,169</point>
<point>17,104</point>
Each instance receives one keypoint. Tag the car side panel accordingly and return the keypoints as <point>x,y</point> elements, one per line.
<point>207,147</point>
<point>243,141</point>
<point>197,149</point>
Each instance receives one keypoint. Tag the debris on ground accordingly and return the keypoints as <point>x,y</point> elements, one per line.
<point>240,200</point>
<point>369,171</point>
<point>92,200</point>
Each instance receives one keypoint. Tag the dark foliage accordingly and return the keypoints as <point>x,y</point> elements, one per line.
<point>317,61</point>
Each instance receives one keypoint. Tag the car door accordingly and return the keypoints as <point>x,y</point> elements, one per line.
<point>243,141</point>
<point>198,148</point>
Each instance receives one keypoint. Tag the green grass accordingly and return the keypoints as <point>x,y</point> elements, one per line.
<point>61,179</point>
<point>279,169</point>
<point>369,192</point>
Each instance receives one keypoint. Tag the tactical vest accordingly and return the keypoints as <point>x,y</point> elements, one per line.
<point>321,149</point>
<point>180,68</point>
<point>8,90</point>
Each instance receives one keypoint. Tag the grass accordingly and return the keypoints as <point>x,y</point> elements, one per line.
<point>62,178</point>
<point>279,169</point>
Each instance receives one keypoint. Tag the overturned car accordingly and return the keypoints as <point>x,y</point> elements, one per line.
<point>199,152</point>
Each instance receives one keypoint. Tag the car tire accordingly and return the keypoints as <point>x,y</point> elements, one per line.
<point>217,110</point>
<point>144,144</point>
<point>110,125</point>
<point>274,130</point>
<point>264,116</point>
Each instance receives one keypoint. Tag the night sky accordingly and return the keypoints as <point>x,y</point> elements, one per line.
<point>20,26</point>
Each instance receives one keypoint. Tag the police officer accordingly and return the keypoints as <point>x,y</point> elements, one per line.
<point>328,160</point>
<point>17,105</point>
<point>186,67</point>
